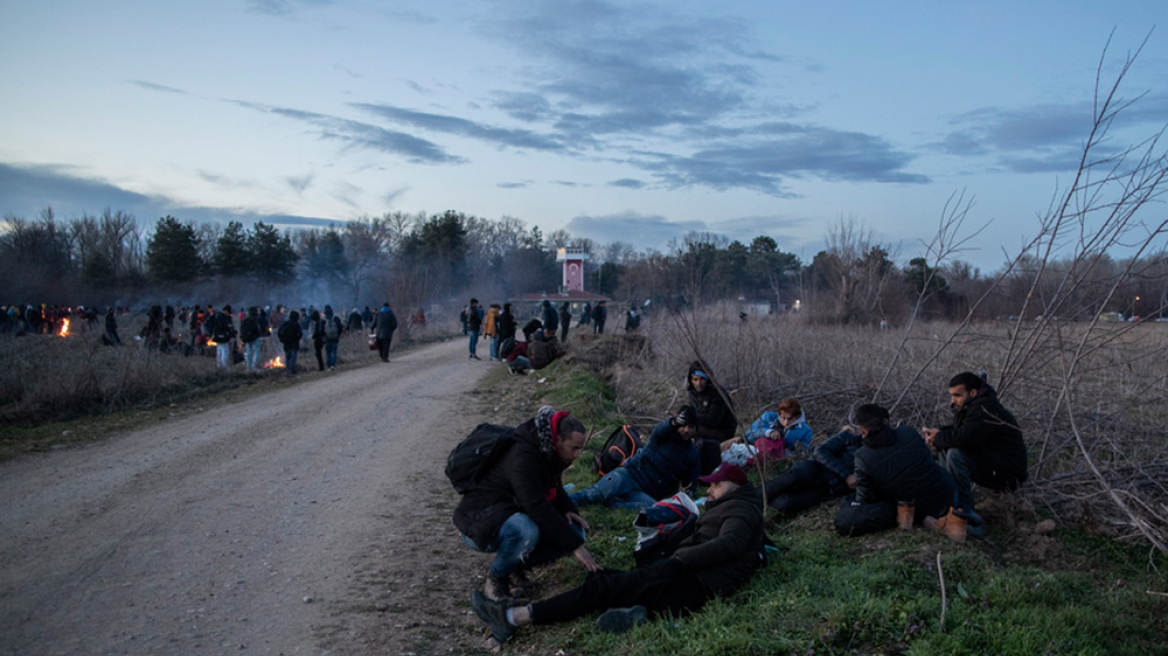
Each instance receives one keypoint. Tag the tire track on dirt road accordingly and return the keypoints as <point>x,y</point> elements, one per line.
<point>246,527</point>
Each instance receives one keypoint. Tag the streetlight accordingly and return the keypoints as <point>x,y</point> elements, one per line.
<point>1132,315</point>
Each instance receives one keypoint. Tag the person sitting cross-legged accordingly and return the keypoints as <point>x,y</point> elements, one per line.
<point>722,554</point>
<point>669,461</point>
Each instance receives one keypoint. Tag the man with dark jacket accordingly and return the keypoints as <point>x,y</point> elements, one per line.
<point>222,333</point>
<point>550,318</point>
<point>474,323</point>
<point>290,334</point>
<point>829,473</point>
<point>565,320</point>
<point>668,461</point>
<point>249,334</point>
<point>722,554</point>
<point>519,510</point>
<point>893,467</point>
<point>983,445</point>
<point>383,326</point>
<point>543,350</point>
<point>599,316</point>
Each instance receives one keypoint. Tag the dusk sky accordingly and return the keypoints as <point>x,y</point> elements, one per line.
<point>630,121</point>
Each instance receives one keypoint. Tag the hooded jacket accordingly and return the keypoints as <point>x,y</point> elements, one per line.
<point>727,545</point>
<point>385,323</point>
<point>715,419</point>
<point>524,480</point>
<point>985,429</point>
<point>895,464</point>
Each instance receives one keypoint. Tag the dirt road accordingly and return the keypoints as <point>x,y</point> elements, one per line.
<point>312,519</point>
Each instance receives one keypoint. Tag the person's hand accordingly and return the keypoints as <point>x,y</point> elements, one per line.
<point>851,481</point>
<point>577,520</point>
<point>930,435</point>
<point>585,557</point>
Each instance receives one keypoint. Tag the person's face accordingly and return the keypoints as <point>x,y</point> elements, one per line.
<point>959,396</point>
<point>786,419</point>
<point>686,431</point>
<point>699,383</point>
<point>570,447</point>
<point>720,489</point>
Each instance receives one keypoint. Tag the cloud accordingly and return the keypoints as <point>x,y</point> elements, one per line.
<point>284,7</point>
<point>514,185</point>
<point>25,190</point>
<point>463,128</point>
<point>647,231</point>
<point>161,88</point>
<point>627,183</point>
<point>364,135</point>
<point>300,183</point>
<point>1043,138</point>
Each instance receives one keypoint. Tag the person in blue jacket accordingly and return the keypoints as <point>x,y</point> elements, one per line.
<point>669,461</point>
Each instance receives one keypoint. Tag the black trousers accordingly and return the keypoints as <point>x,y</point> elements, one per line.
<point>383,348</point>
<point>802,486</point>
<point>663,588</point>
<point>856,519</point>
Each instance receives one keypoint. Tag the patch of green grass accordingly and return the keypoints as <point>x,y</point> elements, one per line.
<point>879,594</point>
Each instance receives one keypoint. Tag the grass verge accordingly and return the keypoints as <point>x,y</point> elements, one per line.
<point>1014,592</point>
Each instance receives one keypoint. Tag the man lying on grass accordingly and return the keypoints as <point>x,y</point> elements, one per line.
<point>722,554</point>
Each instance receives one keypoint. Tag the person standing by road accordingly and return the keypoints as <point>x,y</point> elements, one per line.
<point>383,326</point>
<point>474,324</point>
<point>565,321</point>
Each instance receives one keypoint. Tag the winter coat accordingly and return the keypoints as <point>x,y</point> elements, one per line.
<point>249,329</point>
<point>798,433</point>
<point>524,480</point>
<point>290,334</point>
<point>474,319</point>
<point>715,419</point>
<point>543,352</point>
<point>667,460</point>
<point>550,317</point>
<point>385,323</point>
<point>895,464</point>
<point>223,330</point>
<point>490,323</point>
<point>988,431</point>
<point>836,457</point>
<point>507,326</point>
<point>565,315</point>
<point>727,545</point>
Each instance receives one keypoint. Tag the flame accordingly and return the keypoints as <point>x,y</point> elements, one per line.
<point>211,342</point>
<point>64,328</point>
<point>275,363</point>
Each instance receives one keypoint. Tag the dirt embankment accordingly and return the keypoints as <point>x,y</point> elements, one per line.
<point>313,519</point>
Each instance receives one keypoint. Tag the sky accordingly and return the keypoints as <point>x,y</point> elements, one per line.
<point>625,121</point>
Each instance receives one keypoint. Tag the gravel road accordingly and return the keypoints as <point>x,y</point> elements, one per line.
<point>312,519</point>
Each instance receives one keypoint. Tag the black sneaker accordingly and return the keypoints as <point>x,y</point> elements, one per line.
<point>494,615</point>
<point>619,620</point>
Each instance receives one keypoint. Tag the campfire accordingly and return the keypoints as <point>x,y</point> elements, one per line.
<point>275,363</point>
<point>64,332</point>
<point>211,342</point>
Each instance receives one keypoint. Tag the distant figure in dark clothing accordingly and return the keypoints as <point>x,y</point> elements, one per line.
<point>249,334</point>
<point>632,320</point>
<point>367,316</point>
<point>565,321</point>
<point>474,324</point>
<point>530,328</point>
<point>585,315</point>
<point>290,334</point>
<point>333,328</point>
<point>111,328</point>
<point>507,325</point>
<point>356,324</point>
<point>551,319</point>
<point>383,326</point>
<point>316,328</point>
<point>599,316</point>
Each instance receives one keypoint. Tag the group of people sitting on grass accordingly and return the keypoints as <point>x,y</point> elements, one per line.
<point>888,476</point>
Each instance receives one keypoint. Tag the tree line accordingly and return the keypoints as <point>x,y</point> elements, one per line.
<point>417,259</point>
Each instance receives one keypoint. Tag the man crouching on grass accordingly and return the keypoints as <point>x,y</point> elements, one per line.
<point>722,554</point>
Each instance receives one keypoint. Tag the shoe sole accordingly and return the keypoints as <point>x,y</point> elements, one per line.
<point>619,620</point>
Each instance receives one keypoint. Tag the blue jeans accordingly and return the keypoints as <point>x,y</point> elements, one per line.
<point>956,463</point>
<point>474,341</point>
<point>290,356</point>
<point>516,539</point>
<point>617,489</point>
<point>495,347</point>
<point>251,354</point>
<point>223,355</point>
<point>330,354</point>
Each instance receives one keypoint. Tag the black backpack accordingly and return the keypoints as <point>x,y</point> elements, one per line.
<point>472,458</point>
<point>624,442</point>
<point>506,346</point>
